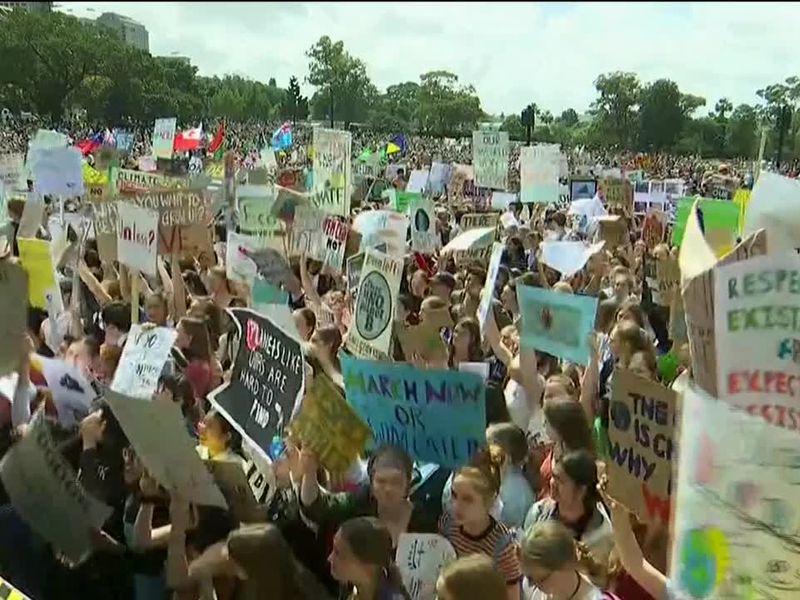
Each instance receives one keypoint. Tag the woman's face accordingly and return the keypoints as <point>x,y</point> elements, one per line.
<point>345,567</point>
<point>183,339</point>
<point>156,311</point>
<point>389,486</point>
<point>474,286</point>
<point>468,505</point>
<point>555,389</point>
<point>461,340</point>
<point>563,490</point>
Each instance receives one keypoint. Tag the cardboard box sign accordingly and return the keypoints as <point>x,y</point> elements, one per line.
<point>612,230</point>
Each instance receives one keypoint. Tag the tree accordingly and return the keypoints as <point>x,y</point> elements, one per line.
<point>661,115</point>
<point>294,105</point>
<point>513,125</point>
<point>445,107</point>
<point>743,134</point>
<point>396,110</point>
<point>568,118</point>
<point>615,109</point>
<point>722,108</point>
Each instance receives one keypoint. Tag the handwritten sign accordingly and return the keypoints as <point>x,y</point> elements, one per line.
<point>420,558</point>
<point>255,205</point>
<point>329,426</point>
<point>539,169</point>
<point>556,323</point>
<point>184,218</point>
<point>137,182</point>
<point>424,238</point>
<point>266,382</point>
<point>164,138</point>
<point>371,333</point>
<point>490,158</point>
<point>143,357</point>
<point>137,230</point>
<point>479,220</point>
<point>45,492</point>
<point>319,236</point>
<point>619,196</point>
<point>736,508</point>
<point>487,295</point>
<point>436,416</point>
<point>332,167</point>
<point>13,314</point>
<point>641,433</point>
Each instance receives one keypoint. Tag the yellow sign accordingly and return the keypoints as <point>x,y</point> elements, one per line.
<point>38,263</point>
<point>9,592</point>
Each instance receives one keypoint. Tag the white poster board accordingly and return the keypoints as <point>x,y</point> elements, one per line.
<point>420,558</point>
<point>146,350</point>
<point>490,159</point>
<point>487,295</point>
<point>418,181</point>
<point>137,237</point>
<point>332,170</point>
<point>424,237</point>
<point>538,174</point>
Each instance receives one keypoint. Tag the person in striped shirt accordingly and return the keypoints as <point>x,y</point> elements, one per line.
<point>468,524</point>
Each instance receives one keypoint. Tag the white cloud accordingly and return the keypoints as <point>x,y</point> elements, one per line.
<point>514,53</point>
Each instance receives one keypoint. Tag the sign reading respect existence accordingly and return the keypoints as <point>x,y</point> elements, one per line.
<point>641,433</point>
<point>436,416</point>
<point>332,165</point>
<point>266,382</point>
<point>490,157</point>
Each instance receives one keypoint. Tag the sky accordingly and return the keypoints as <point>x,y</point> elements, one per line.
<point>549,53</point>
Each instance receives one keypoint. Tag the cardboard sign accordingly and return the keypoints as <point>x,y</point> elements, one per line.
<point>479,220</point>
<point>556,323</point>
<point>619,196</point>
<point>45,492</point>
<point>371,332</point>
<point>736,509</point>
<point>13,314</point>
<point>143,357</point>
<point>436,416</point>
<point>184,218</point>
<point>329,426</point>
<point>612,230</point>
<point>424,238</point>
<point>420,558</point>
<point>332,168</point>
<point>641,433</point>
<point>105,220</point>
<point>164,138</point>
<point>266,382</point>
<point>137,232</point>
<point>487,295</point>
<point>490,158</point>
<point>538,172</point>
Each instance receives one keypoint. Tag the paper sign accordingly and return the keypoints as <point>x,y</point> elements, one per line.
<point>736,506</point>
<point>72,394</point>
<point>420,558</point>
<point>143,357</point>
<point>400,201</point>
<point>238,266</point>
<point>329,427</point>
<point>266,382</point>
<point>270,264</point>
<point>157,431</point>
<point>641,433</point>
<point>184,218</point>
<point>440,174</point>
<point>45,492</point>
<point>12,172</point>
<point>502,200</point>
<point>773,206</point>
<point>371,332</point>
<point>490,159</point>
<point>436,416</point>
<point>556,323</point>
<point>13,314</point>
<point>58,172</point>
<point>417,181</point>
<point>424,238</point>
<point>539,169</point>
<point>619,196</point>
<point>479,220</point>
<point>487,295</point>
<point>273,303</point>
<point>164,138</point>
<point>379,227</point>
<point>479,368</point>
<point>137,233</point>
<point>568,257</point>
<point>332,166</point>
<point>42,282</point>
<point>255,205</point>
<point>319,236</point>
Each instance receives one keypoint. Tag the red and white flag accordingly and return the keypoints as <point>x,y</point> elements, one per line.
<point>188,139</point>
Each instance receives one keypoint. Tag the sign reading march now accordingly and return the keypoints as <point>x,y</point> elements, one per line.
<point>436,416</point>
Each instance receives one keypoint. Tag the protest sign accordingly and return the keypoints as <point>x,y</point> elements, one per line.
<point>272,302</point>
<point>43,289</point>
<point>618,195</point>
<point>490,158</point>
<point>255,204</point>
<point>157,431</point>
<point>9,592</point>
<point>319,236</point>
<point>697,262</point>
<point>12,172</point>
<point>641,434</point>
<point>13,314</point>
<point>402,200</point>
<point>266,382</point>
<point>612,230</point>
<point>137,182</point>
<point>424,238</point>
<point>382,228</point>
<point>184,219</point>
<point>436,416</point>
<point>354,265</point>
<point>479,220</point>
<point>371,333</point>
<point>487,295</point>
<point>568,257</point>
<point>556,323</point>
<point>329,426</point>
<point>143,357</point>
<point>32,217</point>
<point>720,222</point>
<point>72,393</point>
<point>332,166</point>
<point>58,172</point>
<point>440,175</point>
<point>420,558</point>
<point>238,266</point>
<point>232,477</point>
<point>502,200</point>
<point>418,181</point>
<point>538,172</point>
<point>270,264</point>
<point>773,206</point>
<point>105,220</point>
<point>755,310</point>
<point>137,232</point>
<point>582,188</point>
<point>736,505</point>
<point>164,138</point>
<point>45,492</point>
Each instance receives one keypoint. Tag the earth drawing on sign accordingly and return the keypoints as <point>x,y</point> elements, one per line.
<point>374,309</point>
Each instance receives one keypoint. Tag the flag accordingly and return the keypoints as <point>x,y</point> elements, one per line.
<point>282,138</point>
<point>399,140</point>
<point>392,148</point>
<point>365,155</point>
<point>216,143</point>
<point>90,144</point>
<point>188,139</point>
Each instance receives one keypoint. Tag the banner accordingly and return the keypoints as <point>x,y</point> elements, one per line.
<point>43,289</point>
<point>164,137</point>
<point>45,492</point>
<point>435,416</point>
<point>329,426</point>
<point>556,323</point>
<point>371,333</point>
<point>137,231</point>
<point>420,558</point>
<point>146,350</point>
<point>424,238</point>
<point>538,174</point>
<point>487,295</point>
<point>641,434</point>
<point>184,219</point>
<point>332,179</point>
<point>490,158</point>
<point>13,314</point>
<point>734,529</point>
<point>266,383</point>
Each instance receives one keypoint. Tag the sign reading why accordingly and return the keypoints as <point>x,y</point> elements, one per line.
<point>137,230</point>
<point>490,157</point>
<point>424,238</point>
<point>184,217</point>
<point>556,323</point>
<point>436,416</point>
<point>641,433</point>
<point>758,310</point>
<point>332,165</point>
<point>329,427</point>
<point>371,335</point>
<point>266,382</point>
<point>45,492</point>
<point>13,313</point>
<point>420,558</point>
<point>146,350</point>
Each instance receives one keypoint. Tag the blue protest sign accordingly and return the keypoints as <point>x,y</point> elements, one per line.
<point>436,416</point>
<point>556,323</point>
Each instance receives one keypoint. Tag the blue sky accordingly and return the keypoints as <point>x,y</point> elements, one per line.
<point>513,53</point>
